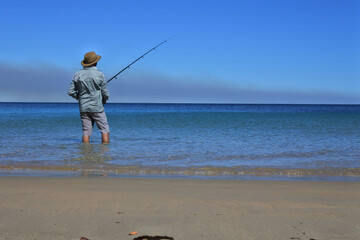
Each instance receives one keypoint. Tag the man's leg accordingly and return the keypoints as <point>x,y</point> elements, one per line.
<point>87,125</point>
<point>105,137</point>
<point>85,139</point>
<point>101,122</point>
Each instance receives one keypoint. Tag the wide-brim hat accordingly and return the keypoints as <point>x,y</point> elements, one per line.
<point>90,58</point>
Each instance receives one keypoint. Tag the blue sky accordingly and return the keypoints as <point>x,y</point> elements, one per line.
<point>224,52</point>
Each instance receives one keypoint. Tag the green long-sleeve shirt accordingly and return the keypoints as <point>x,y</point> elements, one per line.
<point>89,88</point>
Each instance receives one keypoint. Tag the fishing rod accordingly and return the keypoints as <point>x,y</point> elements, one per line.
<point>128,66</point>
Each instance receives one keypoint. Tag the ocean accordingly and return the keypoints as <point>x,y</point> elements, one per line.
<point>231,141</point>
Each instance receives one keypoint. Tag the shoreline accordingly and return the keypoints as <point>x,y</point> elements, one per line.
<point>97,174</point>
<point>110,208</point>
<point>234,173</point>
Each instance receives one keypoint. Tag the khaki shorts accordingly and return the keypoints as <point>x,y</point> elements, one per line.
<point>89,118</point>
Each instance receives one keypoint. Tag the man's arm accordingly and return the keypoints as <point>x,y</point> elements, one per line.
<point>104,91</point>
<point>72,91</point>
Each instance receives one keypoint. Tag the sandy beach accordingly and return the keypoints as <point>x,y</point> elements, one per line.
<point>101,208</point>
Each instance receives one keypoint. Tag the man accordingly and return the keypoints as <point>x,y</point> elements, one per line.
<point>89,88</point>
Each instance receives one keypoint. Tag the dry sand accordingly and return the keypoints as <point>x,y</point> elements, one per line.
<point>101,208</point>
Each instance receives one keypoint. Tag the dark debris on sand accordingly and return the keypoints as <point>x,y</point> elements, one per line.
<point>146,237</point>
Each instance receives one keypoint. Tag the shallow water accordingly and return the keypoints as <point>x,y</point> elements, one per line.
<point>186,139</point>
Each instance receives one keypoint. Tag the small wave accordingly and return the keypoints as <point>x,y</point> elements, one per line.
<point>279,155</point>
<point>208,171</point>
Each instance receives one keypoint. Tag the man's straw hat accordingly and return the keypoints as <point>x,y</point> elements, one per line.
<point>90,58</point>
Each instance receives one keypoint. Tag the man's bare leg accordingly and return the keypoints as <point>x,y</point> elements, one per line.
<point>86,139</point>
<point>105,137</point>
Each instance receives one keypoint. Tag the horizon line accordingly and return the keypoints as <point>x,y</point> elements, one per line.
<point>194,103</point>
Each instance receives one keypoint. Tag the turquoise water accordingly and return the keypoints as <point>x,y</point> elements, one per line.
<point>185,139</point>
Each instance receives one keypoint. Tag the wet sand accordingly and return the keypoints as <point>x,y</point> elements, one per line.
<point>102,208</point>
